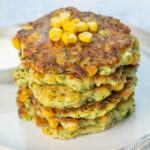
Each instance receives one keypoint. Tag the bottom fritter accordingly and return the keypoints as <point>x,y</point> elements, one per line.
<point>120,112</point>
<point>65,128</point>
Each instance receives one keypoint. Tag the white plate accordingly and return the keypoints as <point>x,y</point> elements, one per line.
<point>8,54</point>
<point>19,134</point>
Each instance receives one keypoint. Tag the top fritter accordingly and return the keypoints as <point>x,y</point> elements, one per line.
<point>111,45</point>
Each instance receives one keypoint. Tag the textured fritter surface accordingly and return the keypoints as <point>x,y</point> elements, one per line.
<point>85,126</point>
<point>61,96</point>
<point>112,46</point>
<point>76,82</point>
<point>93,110</point>
<point>28,103</point>
<point>97,125</point>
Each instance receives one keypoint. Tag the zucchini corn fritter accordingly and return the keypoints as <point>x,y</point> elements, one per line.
<point>77,73</point>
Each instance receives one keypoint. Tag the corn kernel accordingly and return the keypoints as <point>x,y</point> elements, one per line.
<point>85,37</point>
<point>52,79</point>
<point>118,87</point>
<point>110,106</point>
<point>103,120</point>
<point>22,96</point>
<point>28,27</point>
<point>93,26</point>
<point>55,34</point>
<point>56,22</point>
<point>47,112</point>
<point>46,131</point>
<point>25,117</point>
<point>82,26</point>
<point>23,99</point>
<point>92,70</point>
<point>70,27</point>
<point>35,35</point>
<point>76,20</point>
<point>16,43</point>
<point>36,120</point>
<point>69,38</point>
<point>130,61</point>
<point>65,17</point>
<point>53,123</point>
<point>73,128</point>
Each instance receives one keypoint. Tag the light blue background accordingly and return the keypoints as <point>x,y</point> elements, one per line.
<point>136,12</point>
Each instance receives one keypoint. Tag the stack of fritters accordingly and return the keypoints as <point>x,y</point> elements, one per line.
<point>75,89</point>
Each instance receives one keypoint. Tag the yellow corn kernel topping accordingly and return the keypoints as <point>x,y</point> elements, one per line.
<point>47,112</point>
<point>53,123</point>
<point>16,43</point>
<point>46,131</point>
<point>73,128</point>
<point>28,27</point>
<point>55,34</point>
<point>85,37</point>
<point>56,22</point>
<point>69,38</point>
<point>70,27</point>
<point>82,26</point>
<point>93,26</point>
<point>118,87</point>
<point>76,20</point>
<point>65,17</point>
<point>92,70</point>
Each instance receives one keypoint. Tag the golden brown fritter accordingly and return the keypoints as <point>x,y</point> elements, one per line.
<point>67,127</point>
<point>78,83</point>
<point>44,55</point>
<point>28,103</point>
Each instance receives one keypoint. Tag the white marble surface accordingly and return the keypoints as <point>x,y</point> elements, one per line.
<point>133,11</point>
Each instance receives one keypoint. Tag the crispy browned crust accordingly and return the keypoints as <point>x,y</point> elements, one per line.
<point>131,67</point>
<point>44,55</point>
